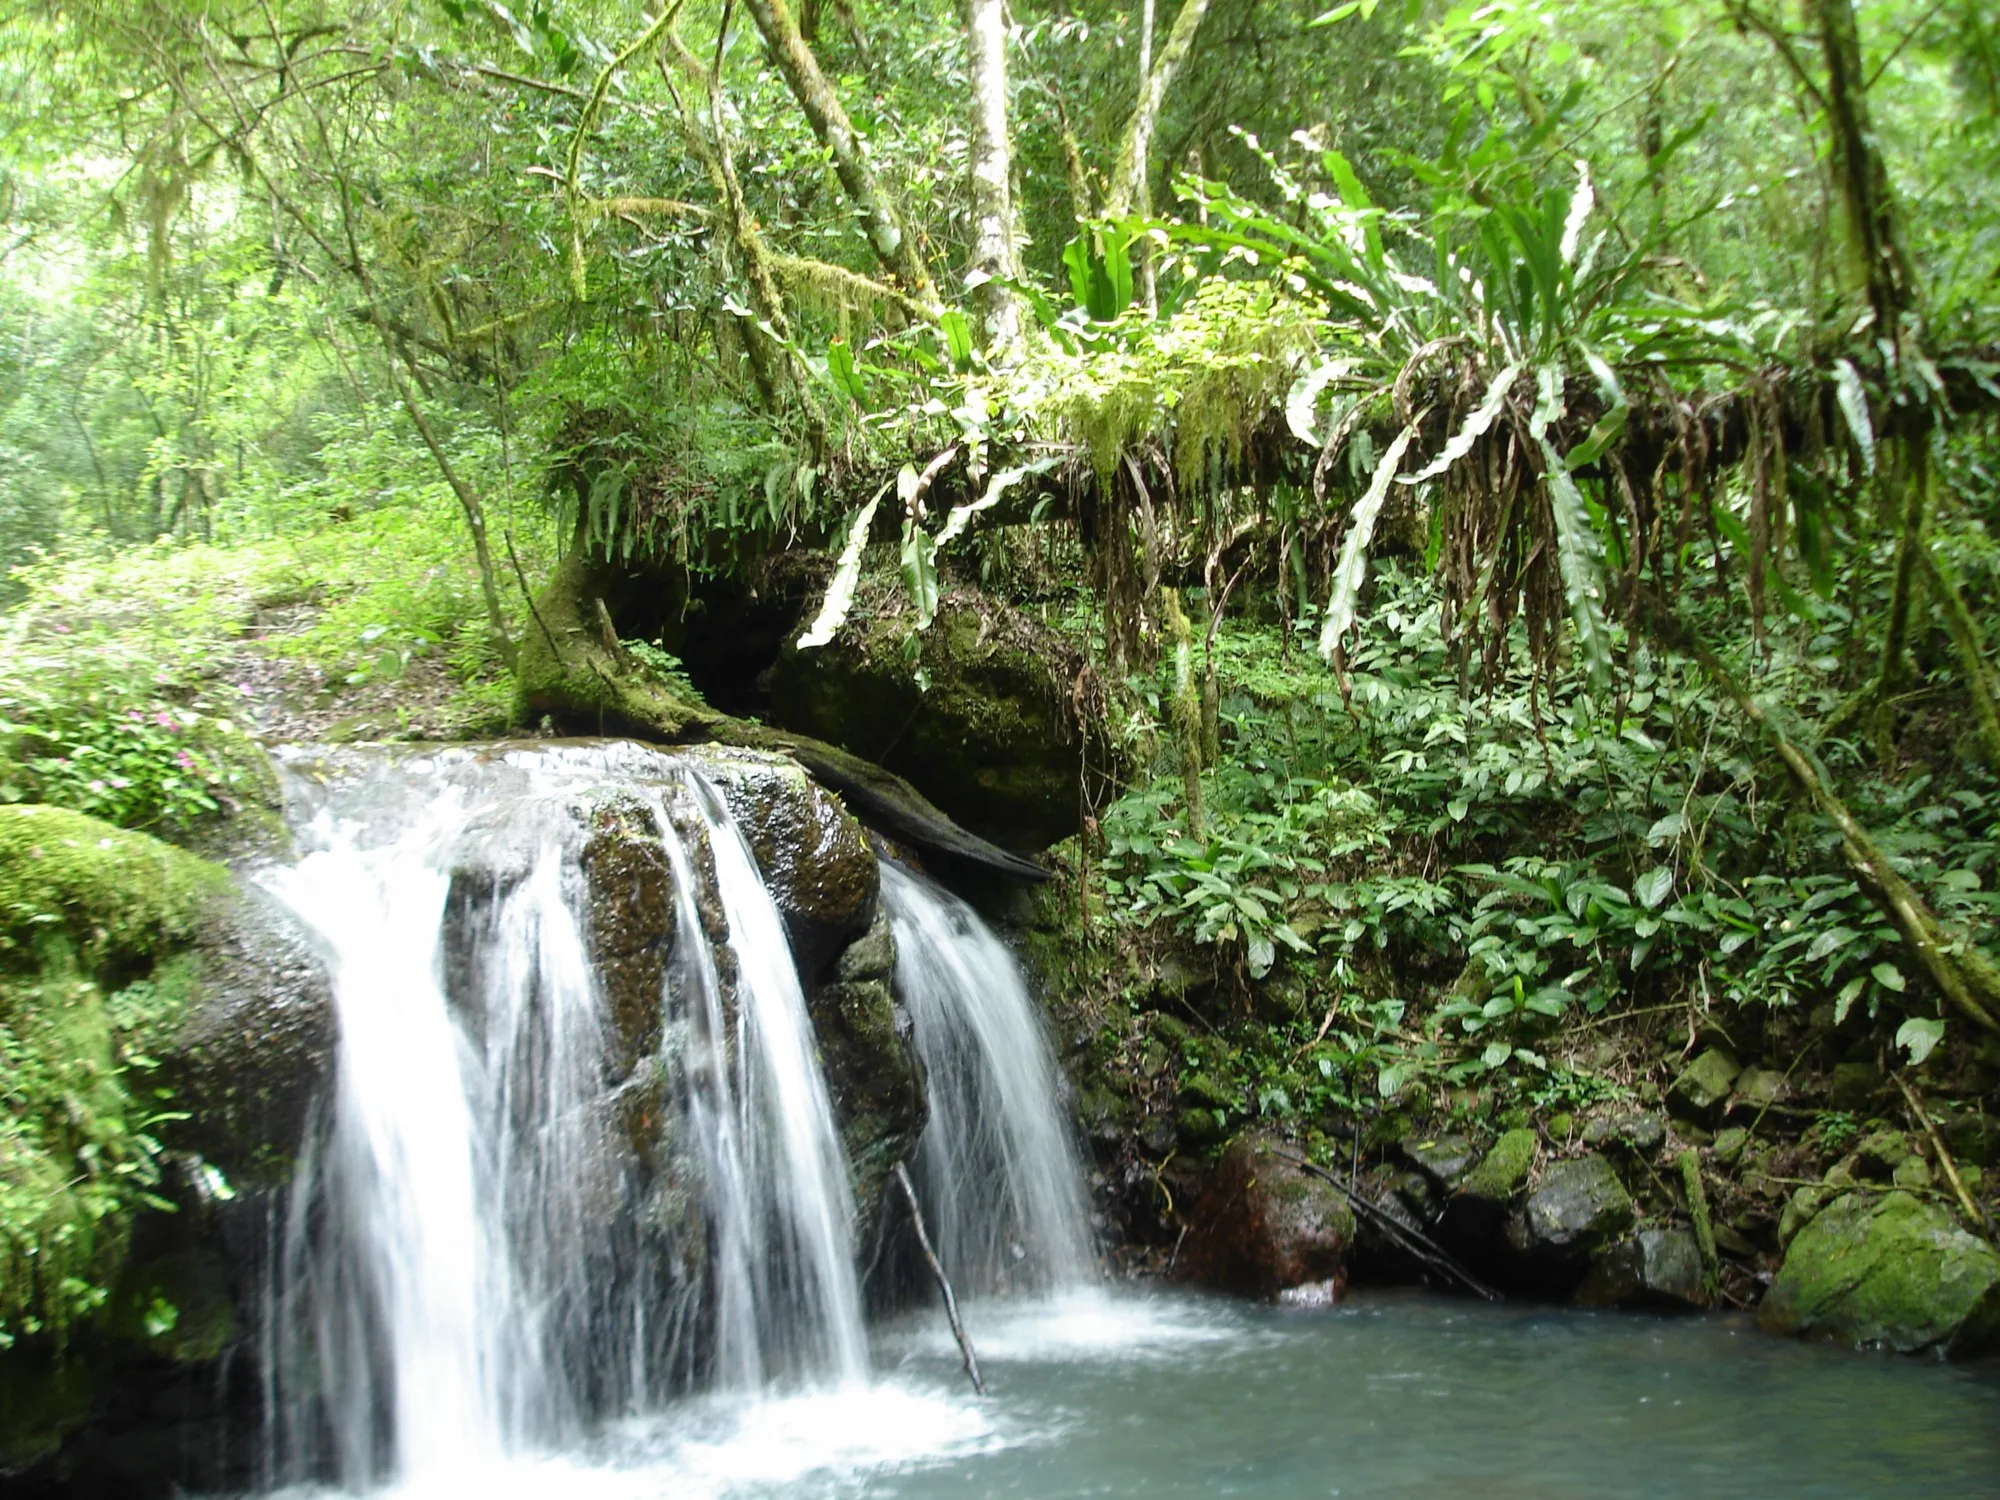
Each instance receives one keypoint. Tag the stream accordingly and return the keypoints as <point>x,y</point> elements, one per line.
<point>1392,1396</point>
<point>486,1290</point>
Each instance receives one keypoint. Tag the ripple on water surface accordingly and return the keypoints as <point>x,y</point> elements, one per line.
<point>1390,1397</point>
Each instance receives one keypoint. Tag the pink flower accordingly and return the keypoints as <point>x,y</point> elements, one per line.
<point>98,787</point>
<point>165,720</point>
<point>184,761</point>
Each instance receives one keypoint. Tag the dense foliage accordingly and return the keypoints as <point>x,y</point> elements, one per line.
<point>1524,472</point>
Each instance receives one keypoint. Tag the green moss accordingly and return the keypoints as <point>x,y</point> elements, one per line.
<point>1889,1270</point>
<point>1500,1175</point>
<point>119,896</point>
<point>81,903</point>
<point>567,669</point>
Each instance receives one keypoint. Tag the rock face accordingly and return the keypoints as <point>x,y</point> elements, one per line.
<point>1888,1270</point>
<point>1262,1226</point>
<point>1654,1268</point>
<point>151,954</point>
<point>988,732</point>
<point>871,1064</point>
<point>253,1048</point>
<point>814,856</point>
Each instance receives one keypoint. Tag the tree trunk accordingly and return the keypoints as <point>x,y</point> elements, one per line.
<point>1868,205</point>
<point>1129,192</point>
<point>993,249</point>
<point>711,145</point>
<point>823,110</point>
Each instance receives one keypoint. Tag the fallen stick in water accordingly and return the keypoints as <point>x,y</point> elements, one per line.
<point>1414,1241</point>
<point>943,1281</point>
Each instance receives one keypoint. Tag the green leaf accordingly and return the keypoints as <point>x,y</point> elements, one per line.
<point>847,572</point>
<point>1919,1038</point>
<point>1853,400</point>
<point>919,568</point>
<point>1654,886</point>
<point>1261,955</point>
<point>1302,405</point>
<point>1849,993</point>
<point>1496,1053</point>
<point>1611,425</point>
<point>957,339</point>
<point>1889,977</point>
<point>1472,430</point>
<point>842,370</point>
<point>1352,569</point>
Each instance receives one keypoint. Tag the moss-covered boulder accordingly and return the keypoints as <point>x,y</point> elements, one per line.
<point>146,1002</point>
<point>1888,1270</point>
<point>1262,1225</point>
<point>983,720</point>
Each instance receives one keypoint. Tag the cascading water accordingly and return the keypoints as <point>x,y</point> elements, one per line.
<point>998,1168</point>
<point>474,1265</point>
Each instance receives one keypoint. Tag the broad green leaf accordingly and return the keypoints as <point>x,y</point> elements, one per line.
<point>1919,1038</point>
<point>846,375</point>
<point>957,339</point>
<point>1890,977</point>
<point>1496,1053</point>
<point>1302,405</point>
<point>1580,559</point>
<point>961,515</point>
<point>919,562</point>
<point>1607,429</point>
<point>1580,204</point>
<point>1849,993</point>
<point>1352,569</point>
<point>1655,886</point>
<point>847,572</point>
<point>1262,955</point>
<point>1853,401</point>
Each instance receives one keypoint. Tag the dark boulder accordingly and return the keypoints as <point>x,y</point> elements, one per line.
<point>984,722</point>
<point>1261,1225</point>
<point>814,857</point>
<point>870,1057</point>
<point>1653,1268</point>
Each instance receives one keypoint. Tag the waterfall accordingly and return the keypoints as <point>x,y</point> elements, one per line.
<point>474,1264</point>
<point>998,1168</point>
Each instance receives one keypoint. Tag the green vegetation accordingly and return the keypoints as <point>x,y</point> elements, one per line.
<point>1518,481</point>
<point>85,910</point>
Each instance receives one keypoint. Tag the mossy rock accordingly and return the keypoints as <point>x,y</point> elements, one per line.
<point>120,897</point>
<point>1503,1170</point>
<point>982,722</point>
<point>1888,1270</point>
<point>1261,1225</point>
<point>136,981</point>
<point>570,668</point>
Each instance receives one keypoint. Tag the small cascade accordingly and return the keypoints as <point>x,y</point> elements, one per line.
<point>997,1166</point>
<point>511,1228</point>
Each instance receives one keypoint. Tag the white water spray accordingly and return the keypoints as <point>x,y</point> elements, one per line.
<point>999,1170</point>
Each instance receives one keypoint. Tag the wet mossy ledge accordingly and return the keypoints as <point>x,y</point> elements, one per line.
<point>164,1030</point>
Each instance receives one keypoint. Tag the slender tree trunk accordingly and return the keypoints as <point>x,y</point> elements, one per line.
<point>1970,644</point>
<point>709,142</point>
<point>1868,204</point>
<point>1129,192</point>
<point>993,251</point>
<point>892,244</point>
